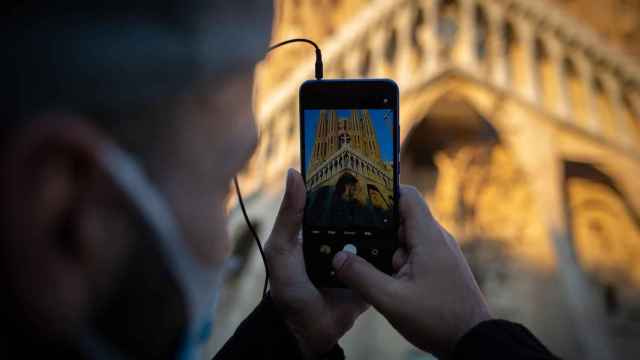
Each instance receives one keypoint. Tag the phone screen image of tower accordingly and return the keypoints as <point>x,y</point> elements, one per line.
<point>348,167</point>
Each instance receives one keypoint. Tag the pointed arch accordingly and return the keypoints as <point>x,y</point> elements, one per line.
<point>604,227</point>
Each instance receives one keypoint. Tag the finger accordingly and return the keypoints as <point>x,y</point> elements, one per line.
<point>288,268</point>
<point>402,235</point>
<point>418,222</point>
<point>413,211</point>
<point>412,203</point>
<point>289,219</point>
<point>345,300</point>
<point>399,259</point>
<point>376,287</point>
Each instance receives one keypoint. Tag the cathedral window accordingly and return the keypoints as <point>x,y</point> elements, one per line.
<point>366,63</point>
<point>416,28</point>
<point>605,109</point>
<point>448,24</point>
<point>577,91</point>
<point>508,34</point>
<point>546,75</point>
<point>482,29</point>
<point>390,50</point>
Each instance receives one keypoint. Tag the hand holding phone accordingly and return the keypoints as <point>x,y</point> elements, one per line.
<point>349,151</point>
<point>433,299</point>
<point>317,318</point>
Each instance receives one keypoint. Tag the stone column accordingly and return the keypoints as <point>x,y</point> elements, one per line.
<point>496,44</point>
<point>423,38</point>
<point>555,50</point>
<point>544,168</point>
<point>585,69</point>
<point>377,45</point>
<point>433,45</point>
<point>464,53</point>
<point>353,60</point>
<point>526,37</point>
<point>622,130</point>
<point>634,102</point>
<point>402,67</point>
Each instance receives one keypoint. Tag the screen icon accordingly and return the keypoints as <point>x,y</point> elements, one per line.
<point>325,249</point>
<point>350,248</point>
<point>374,252</point>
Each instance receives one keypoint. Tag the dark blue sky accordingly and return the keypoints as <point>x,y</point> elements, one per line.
<point>383,129</point>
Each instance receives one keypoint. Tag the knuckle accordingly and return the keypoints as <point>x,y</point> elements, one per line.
<point>273,249</point>
<point>410,188</point>
<point>347,266</point>
<point>289,214</point>
<point>297,215</point>
<point>412,196</point>
<point>285,208</point>
<point>410,191</point>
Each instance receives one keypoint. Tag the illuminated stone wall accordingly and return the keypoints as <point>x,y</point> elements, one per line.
<point>617,21</point>
<point>520,124</point>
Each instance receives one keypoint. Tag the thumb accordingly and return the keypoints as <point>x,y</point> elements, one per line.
<point>376,287</point>
<point>289,219</point>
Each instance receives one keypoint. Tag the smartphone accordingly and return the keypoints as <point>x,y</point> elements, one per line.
<point>349,143</point>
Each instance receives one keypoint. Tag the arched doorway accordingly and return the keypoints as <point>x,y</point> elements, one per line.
<point>452,139</point>
<point>456,158</point>
<point>606,240</point>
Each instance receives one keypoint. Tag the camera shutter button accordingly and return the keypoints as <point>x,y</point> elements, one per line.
<point>350,248</point>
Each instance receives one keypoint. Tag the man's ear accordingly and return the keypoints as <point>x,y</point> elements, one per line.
<point>65,233</point>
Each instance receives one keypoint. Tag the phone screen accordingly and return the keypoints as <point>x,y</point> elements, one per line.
<point>349,171</point>
<point>350,164</point>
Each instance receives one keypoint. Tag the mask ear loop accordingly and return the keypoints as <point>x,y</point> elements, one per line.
<point>318,75</point>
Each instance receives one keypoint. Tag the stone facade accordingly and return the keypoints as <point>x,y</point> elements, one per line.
<point>521,127</point>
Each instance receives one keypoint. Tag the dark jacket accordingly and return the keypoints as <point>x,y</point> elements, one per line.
<point>264,335</point>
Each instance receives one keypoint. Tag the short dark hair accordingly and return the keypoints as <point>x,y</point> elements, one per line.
<point>343,181</point>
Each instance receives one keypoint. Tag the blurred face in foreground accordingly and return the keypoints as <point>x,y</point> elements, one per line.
<point>78,256</point>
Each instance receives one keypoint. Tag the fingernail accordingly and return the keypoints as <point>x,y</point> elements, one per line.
<point>339,259</point>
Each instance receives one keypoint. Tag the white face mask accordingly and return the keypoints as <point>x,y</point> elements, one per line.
<point>199,284</point>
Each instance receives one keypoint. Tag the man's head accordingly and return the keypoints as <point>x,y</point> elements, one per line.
<point>171,84</point>
<point>346,187</point>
